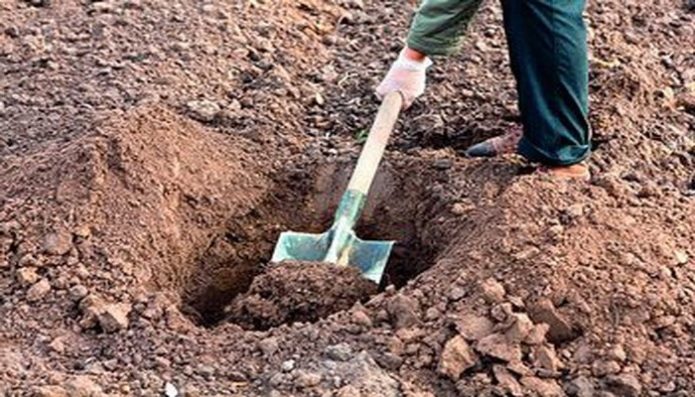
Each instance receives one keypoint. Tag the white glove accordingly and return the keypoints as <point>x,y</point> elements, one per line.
<point>407,76</point>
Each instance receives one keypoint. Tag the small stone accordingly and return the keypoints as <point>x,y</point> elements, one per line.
<point>78,292</point>
<point>57,345</point>
<point>288,365</point>
<point>559,329</point>
<point>624,385</point>
<point>49,391</point>
<point>307,379</point>
<point>507,381</point>
<point>580,387</point>
<point>617,353</point>
<point>339,352</point>
<point>390,361</point>
<point>473,327</point>
<point>102,7</point>
<point>520,329</point>
<point>537,334</point>
<point>207,371</point>
<point>497,346</point>
<point>443,164</point>
<point>502,312</point>
<point>492,291</point>
<point>545,358</point>
<point>402,311</point>
<point>605,367</point>
<point>82,386</point>
<point>348,391</point>
<point>203,110</point>
<point>268,346</point>
<point>456,293</point>
<point>541,387</point>
<point>575,211</point>
<point>681,257</point>
<point>58,242</point>
<point>359,317</point>
<point>38,290</point>
<point>170,390</point>
<point>432,314</point>
<point>519,368</point>
<point>27,276</point>
<point>114,317</point>
<point>456,358</point>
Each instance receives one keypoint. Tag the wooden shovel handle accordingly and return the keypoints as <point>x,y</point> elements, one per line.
<point>373,149</point>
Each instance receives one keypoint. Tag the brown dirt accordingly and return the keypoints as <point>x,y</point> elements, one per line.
<point>292,292</point>
<point>152,151</point>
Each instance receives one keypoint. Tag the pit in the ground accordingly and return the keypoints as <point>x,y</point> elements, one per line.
<point>400,207</point>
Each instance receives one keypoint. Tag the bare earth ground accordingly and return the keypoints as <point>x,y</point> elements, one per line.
<point>151,151</point>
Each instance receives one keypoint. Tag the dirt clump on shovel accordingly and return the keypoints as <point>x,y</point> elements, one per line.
<point>299,292</point>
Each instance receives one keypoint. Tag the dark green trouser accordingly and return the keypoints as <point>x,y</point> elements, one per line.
<point>547,47</point>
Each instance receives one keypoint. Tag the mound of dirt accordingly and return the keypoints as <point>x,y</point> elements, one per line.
<point>290,292</point>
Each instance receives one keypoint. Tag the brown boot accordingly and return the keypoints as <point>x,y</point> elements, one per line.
<point>575,171</point>
<point>503,144</point>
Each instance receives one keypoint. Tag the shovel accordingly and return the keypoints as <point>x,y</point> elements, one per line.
<point>339,245</point>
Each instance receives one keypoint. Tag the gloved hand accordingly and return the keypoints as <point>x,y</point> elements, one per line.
<point>407,76</point>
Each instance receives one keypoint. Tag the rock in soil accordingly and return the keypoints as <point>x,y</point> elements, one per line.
<point>294,291</point>
<point>456,357</point>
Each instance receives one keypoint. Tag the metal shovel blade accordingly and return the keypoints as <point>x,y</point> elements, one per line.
<point>368,256</point>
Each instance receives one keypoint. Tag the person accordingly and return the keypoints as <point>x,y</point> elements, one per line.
<point>548,53</point>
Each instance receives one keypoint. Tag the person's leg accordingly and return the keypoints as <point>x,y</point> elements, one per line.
<point>547,47</point>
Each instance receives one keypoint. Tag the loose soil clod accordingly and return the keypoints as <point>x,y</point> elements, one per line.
<point>299,292</point>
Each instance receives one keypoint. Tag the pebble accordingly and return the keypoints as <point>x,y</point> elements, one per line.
<point>541,387</point>
<point>58,242</point>
<point>456,293</point>
<point>580,387</point>
<point>473,327</point>
<point>625,385</point>
<point>82,386</point>
<point>507,381</point>
<point>27,276</point>
<point>114,317</point>
<point>339,352</point>
<point>57,345</point>
<point>492,291</point>
<point>348,391</point>
<point>38,290</point>
<point>520,329</point>
<point>78,292</point>
<point>544,357</point>
<point>307,379</point>
<point>456,357</point>
<point>288,365</point>
<point>402,311</point>
<point>497,346</point>
<point>49,391</point>
<point>269,346</point>
<point>559,329</point>
<point>359,317</point>
<point>443,164</point>
<point>605,367</point>
<point>203,110</point>
<point>537,334</point>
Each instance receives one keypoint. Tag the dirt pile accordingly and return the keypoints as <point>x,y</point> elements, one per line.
<point>155,150</point>
<point>298,292</point>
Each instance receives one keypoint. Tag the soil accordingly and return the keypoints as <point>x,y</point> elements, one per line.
<point>298,292</point>
<point>152,151</point>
